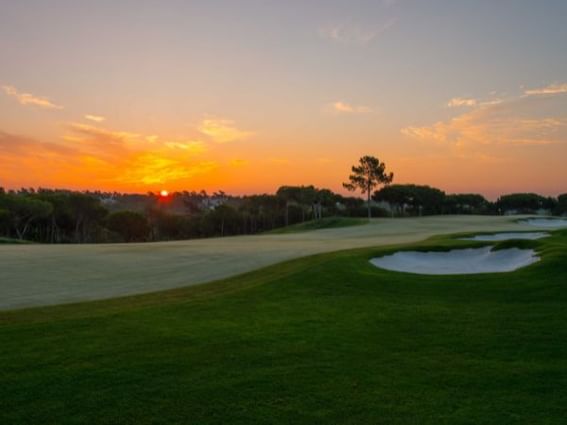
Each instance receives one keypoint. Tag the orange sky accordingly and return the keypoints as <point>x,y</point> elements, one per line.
<point>191,97</point>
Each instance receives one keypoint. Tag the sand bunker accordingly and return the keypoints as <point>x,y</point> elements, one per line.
<point>508,236</point>
<point>551,223</point>
<point>457,261</point>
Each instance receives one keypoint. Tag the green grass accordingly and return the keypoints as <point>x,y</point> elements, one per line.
<point>327,339</point>
<point>324,223</point>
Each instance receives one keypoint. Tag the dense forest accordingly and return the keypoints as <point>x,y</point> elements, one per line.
<point>64,216</point>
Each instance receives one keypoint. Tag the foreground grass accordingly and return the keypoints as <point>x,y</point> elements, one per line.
<point>324,223</point>
<point>322,340</point>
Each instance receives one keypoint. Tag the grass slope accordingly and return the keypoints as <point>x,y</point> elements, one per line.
<point>327,339</point>
<point>324,223</point>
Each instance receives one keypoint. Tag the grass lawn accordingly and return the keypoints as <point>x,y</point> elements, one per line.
<point>327,339</point>
<point>324,223</point>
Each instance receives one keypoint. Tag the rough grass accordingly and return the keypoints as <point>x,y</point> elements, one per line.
<point>324,223</point>
<point>327,339</point>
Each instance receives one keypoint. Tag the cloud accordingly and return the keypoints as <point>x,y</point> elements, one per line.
<point>12,144</point>
<point>104,139</point>
<point>105,158</point>
<point>347,108</point>
<point>29,99</point>
<point>350,33</point>
<point>469,101</point>
<point>461,101</point>
<point>550,89</point>
<point>151,168</point>
<point>95,118</point>
<point>222,131</point>
<point>194,146</point>
<point>102,133</point>
<point>103,142</point>
<point>517,122</point>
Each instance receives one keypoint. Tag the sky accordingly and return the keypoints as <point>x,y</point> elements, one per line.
<point>248,95</point>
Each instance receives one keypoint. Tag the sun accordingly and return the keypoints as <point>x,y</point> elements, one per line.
<point>164,193</point>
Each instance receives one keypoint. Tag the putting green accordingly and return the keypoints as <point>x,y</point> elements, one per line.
<point>35,275</point>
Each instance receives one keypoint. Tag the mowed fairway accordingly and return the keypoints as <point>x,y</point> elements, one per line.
<point>327,339</point>
<point>35,275</point>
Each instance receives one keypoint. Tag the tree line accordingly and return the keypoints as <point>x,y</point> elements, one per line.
<point>62,216</point>
<point>65,216</point>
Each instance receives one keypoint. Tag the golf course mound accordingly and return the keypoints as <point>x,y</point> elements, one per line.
<point>457,261</point>
<point>551,223</point>
<point>507,236</point>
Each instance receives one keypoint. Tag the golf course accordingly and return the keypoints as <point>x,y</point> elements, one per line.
<point>40,274</point>
<point>290,328</point>
<point>261,212</point>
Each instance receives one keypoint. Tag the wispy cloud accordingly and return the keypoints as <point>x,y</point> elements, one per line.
<point>103,142</point>
<point>97,156</point>
<point>471,102</point>
<point>222,130</point>
<point>461,101</point>
<point>152,168</point>
<point>550,89</point>
<point>353,33</point>
<point>194,146</point>
<point>347,108</point>
<point>103,138</point>
<point>29,99</point>
<point>515,122</point>
<point>95,118</point>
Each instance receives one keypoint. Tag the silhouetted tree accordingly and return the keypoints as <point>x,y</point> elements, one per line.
<point>132,226</point>
<point>421,199</point>
<point>22,210</point>
<point>524,203</point>
<point>561,207</point>
<point>466,203</point>
<point>290,195</point>
<point>366,176</point>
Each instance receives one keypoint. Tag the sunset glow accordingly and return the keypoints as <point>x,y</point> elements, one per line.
<point>249,97</point>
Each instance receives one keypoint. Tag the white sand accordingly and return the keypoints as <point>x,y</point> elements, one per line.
<point>457,261</point>
<point>34,275</point>
<point>550,223</point>
<point>508,236</point>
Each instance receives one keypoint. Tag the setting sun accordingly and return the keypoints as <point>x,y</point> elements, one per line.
<point>164,193</point>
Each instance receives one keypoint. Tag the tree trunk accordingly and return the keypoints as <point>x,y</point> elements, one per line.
<point>368,203</point>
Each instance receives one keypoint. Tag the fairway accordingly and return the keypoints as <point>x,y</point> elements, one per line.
<point>327,339</point>
<point>35,275</point>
